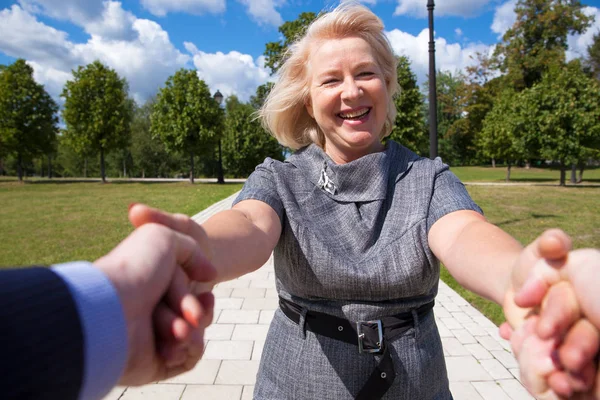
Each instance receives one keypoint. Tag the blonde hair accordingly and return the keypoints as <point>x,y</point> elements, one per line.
<point>284,114</point>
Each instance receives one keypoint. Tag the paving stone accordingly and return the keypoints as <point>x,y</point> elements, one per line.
<point>451,323</point>
<point>154,392</point>
<point>484,323</point>
<point>516,373</point>
<point>271,293</point>
<point>491,391</point>
<point>248,392</point>
<point>454,347</point>
<point>263,283</point>
<point>228,350</point>
<point>496,369</point>
<point>249,293</point>
<point>464,391</point>
<point>237,372</point>
<point>234,284</point>
<point>266,316</point>
<point>260,304</point>
<point>219,332</point>
<point>507,359</point>
<point>478,351</point>
<point>204,373</point>
<point>228,303</point>
<point>465,369</point>
<point>495,334</point>
<point>488,342</point>
<point>222,292</point>
<point>471,311</point>
<point>441,312</point>
<point>451,306</point>
<point>239,317</point>
<point>212,392</point>
<point>258,274</point>
<point>474,329</point>
<point>250,332</point>
<point>463,336</point>
<point>515,390</point>
<point>258,349</point>
<point>115,393</point>
<point>444,332</point>
<point>461,317</point>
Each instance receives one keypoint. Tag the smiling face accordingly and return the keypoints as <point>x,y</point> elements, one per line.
<point>348,97</point>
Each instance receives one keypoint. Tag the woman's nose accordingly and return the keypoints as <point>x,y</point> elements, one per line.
<point>351,90</point>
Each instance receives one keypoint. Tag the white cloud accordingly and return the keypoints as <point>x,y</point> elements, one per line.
<point>145,59</point>
<point>578,44</point>
<point>449,56</point>
<point>458,32</point>
<point>263,11</point>
<point>163,7</point>
<point>504,18</point>
<point>231,73</point>
<point>460,8</point>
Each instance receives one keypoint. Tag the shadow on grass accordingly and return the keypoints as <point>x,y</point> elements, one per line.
<point>115,182</point>
<point>531,216</point>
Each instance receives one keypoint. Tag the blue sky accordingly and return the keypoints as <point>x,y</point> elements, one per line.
<point>148,40</point>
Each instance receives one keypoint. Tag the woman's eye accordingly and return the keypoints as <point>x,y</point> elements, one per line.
<point>366,73</point>
<point>329,81</point>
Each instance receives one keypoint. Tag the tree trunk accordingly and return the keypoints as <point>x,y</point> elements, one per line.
<point>191,167</point>
<point>143,174</point>
<point>102,165</point>
<point>563,173</point>
<point>493,163</point>
<point>573,173</point>
<point>49,166</point>
<point>20,166</point>
<point>581,168</point>
<point>527,164</point>
<point>85,168</point>
<point>124,168</point>
<point>508,172</point>
<point>1,166</point>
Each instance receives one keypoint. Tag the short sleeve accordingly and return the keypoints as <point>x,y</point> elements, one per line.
<point>449,195</point>
<point>261,185</point>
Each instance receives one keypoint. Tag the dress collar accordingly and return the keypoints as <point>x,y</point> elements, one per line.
<point>361,180</point>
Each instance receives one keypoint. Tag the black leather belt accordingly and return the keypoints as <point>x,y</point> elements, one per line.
<point>369,336</point>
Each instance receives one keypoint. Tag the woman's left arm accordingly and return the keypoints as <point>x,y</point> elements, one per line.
<point>483,258</point>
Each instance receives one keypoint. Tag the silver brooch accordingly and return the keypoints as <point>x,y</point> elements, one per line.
<point>325,182</point>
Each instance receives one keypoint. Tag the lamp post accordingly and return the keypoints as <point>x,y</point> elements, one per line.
<point>433,139</point>
<point>220,179</point>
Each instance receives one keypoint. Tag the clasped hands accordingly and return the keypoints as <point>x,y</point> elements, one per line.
<point>557,342</point>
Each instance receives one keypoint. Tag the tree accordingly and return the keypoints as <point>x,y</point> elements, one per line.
<point>27,115</point>
<point>501,135</point>
<point>97,111</point>
<point>185,115</point>
<point>593,57</point>
<point>290,30</point>
<point>564,114</point>
<point>262,92</point>
<point>538,38</point>
<point>246,143</point>
<point>409,127</point>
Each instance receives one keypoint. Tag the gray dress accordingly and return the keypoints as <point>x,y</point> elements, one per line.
<point>354,245</point>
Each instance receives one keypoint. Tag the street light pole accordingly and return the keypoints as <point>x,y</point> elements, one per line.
<point>433,139</point>
<point>220,179</point>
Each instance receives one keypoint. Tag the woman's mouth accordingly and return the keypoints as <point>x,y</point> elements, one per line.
<point>355,115</point>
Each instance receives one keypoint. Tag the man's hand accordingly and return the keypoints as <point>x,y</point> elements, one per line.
<point>151,270</point>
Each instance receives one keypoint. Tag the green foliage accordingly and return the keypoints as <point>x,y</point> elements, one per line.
<point>538,39</point>
<point>185,116</point>
<point>246,144</point>
<point>563,113</point>
<point>27,115</point>
<point>593,57</point>
<point>409,127</point>
<point>262,92</point>
<point>291,30</point>
<point>97,111</point>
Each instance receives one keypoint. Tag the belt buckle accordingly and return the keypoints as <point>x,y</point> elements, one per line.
<point>361,336</point>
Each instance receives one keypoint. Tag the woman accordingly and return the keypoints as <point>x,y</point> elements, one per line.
<point>357,228</point>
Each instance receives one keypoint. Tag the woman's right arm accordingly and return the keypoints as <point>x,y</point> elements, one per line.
<point>236,241</point>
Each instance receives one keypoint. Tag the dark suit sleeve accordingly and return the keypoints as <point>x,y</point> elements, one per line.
<point>41,337</point>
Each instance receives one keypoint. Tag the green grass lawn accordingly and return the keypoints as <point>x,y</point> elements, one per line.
<point>526,211</point>
<point>534,175</point>
<point>46,222</point>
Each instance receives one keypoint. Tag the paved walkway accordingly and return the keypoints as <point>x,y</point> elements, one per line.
<point>480,363</point>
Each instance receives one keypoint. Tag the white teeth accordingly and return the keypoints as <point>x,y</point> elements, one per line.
<point>355,114</point>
